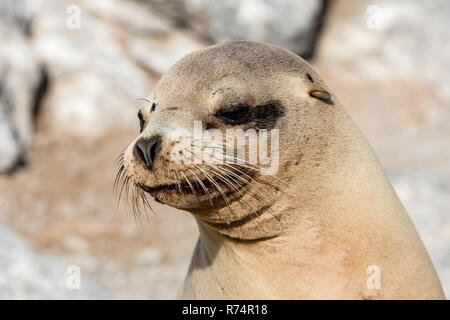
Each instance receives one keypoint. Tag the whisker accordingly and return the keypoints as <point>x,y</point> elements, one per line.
<point>202,185</point>
<point>214,183</point>
<point>143,99</point>
<point>237,189</point>
<point>124,188</point>
<point>188,182</point>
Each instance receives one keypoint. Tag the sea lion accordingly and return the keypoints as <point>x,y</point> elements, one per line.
<point>323,226</point>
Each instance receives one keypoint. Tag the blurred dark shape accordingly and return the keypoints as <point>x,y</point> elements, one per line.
<point>290,23</point>
<point>19,82</point>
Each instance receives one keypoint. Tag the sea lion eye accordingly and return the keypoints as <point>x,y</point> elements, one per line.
<point>153,107</point>
<point>234,114</point>
<point>141,121</point>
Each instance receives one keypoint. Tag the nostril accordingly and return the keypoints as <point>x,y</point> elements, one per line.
<point>140,153</point>
<point>145,150</point>
<point>153,152</point>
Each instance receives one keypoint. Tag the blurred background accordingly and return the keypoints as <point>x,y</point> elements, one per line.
<point>70,74</point>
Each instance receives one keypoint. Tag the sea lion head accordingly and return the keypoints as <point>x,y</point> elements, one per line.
<point>253,87</point>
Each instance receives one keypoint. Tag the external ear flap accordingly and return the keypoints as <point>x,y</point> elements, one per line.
<point>320,94</point>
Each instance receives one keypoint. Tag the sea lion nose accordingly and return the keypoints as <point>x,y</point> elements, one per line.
<point>145,150</point>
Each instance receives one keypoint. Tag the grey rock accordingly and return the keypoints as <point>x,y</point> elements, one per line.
<point>98,70</point>
<point>20,78</point>
<point>93,82</point>
<point>15,13</point>
<point>426,197</point>
<point>10,149</point>
<point>159,55</point>
<point>388,62</point>
<point>149,256</point>
<point>26,273</point>
<point>393,38</point>
<point>288,23</point>
<point>144,21</point>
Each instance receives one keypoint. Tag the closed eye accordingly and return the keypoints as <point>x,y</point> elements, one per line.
<point>234,115</point>
<point>141,121</point>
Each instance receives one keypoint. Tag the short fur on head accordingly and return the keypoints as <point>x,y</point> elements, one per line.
<point>309,231</point>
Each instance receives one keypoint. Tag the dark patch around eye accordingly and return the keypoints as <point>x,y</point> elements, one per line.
<point>265,116</point>
<point>234,115</point>
<point>309,77</point>
<point>262,116</point>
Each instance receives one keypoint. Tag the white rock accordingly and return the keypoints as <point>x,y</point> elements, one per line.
<point>144,21</point>
<point>29,274</point>
<point>99,70</point>
<point>426,197</point>
<point>94,83</point>
<point>149,256</point>
<point>391,38</point>
<point>10,149</point>
<point>388,61</point>
<point>19,80</point>
<point>160,55</point>
<point>289,23</point>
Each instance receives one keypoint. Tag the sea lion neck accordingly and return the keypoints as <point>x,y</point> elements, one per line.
<point>262,222</point>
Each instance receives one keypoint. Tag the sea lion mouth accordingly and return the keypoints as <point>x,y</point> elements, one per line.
<point>206,187</point>
<point>185,187</point>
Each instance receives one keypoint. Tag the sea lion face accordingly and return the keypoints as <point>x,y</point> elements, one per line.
<point>184,156</point>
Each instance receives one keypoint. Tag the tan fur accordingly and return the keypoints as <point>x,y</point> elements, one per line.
<point>311,238</point>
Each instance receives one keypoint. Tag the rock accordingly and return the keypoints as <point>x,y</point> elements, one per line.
<point>29,274</point>
<point>15,13</point>
<point>158,55</point>
<point>10,147</point>
<point>114,274</point>
<point>20,80</point>
<point>384,38</point>
<point>93,82</point>
<point>148,256</point>
<point>99,68</point>
<point>388,62</point>
<point>144,23</point>
<point>426,197</point>
<point>289,23</point>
